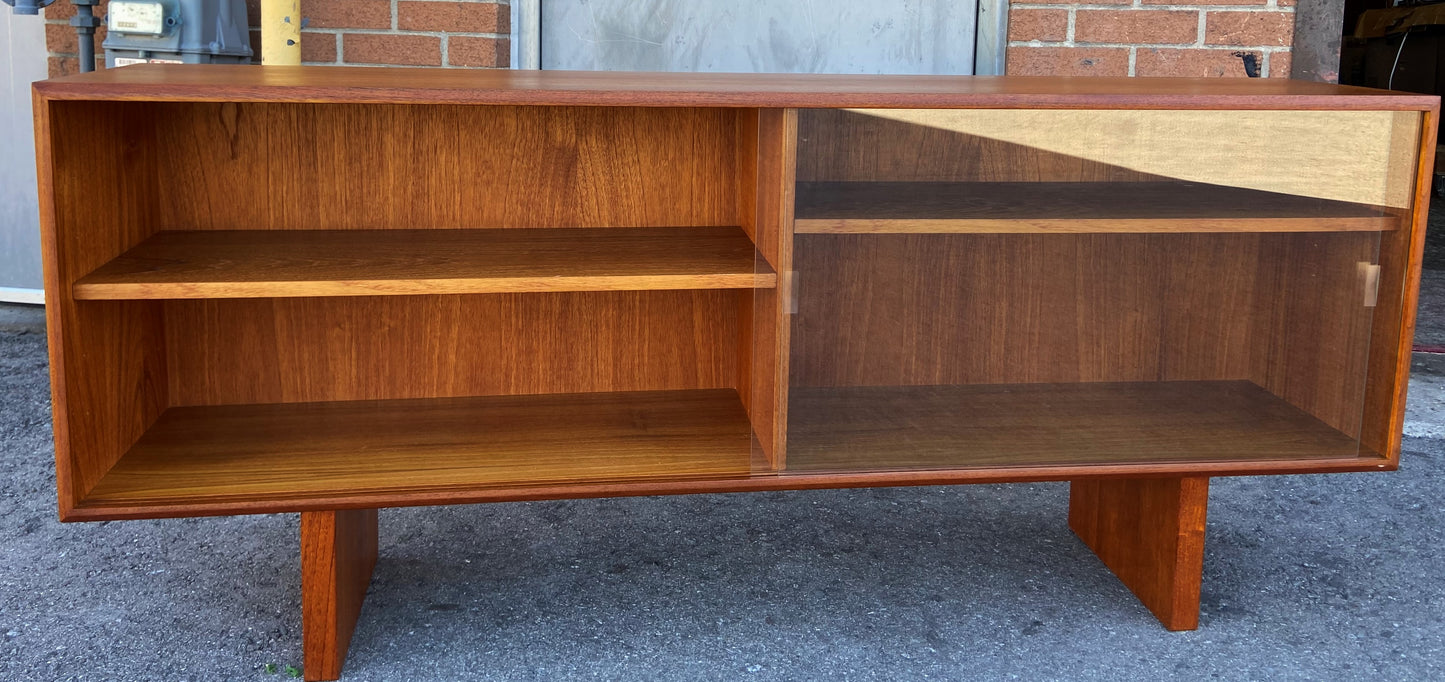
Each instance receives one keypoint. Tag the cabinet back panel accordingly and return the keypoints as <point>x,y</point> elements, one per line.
<point>1354,156</point>
<point>356,166</point>
<point>1312,331</point>
<point>321,349</point>
<point>1283,310</point>
<point>839,145</point>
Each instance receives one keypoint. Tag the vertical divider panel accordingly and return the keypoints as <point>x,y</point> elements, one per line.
<point>767,141</point>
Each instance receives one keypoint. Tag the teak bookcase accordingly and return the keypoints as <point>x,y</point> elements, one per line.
<point>330,290</point>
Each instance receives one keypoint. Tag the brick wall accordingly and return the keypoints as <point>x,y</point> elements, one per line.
<point>456,33</point>
<point>1149,37</point>
<point>1046,37</point>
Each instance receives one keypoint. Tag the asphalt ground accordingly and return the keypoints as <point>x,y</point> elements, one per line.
<point>1337,577</point>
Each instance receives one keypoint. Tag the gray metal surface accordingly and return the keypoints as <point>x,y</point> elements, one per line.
<point>22,61</point>
<point>196,32</point>
<point>1318,29</point>
<point>991,51</point>
<point>769,36</point>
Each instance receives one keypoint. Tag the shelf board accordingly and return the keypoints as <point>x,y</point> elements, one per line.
<point>286,263</point>
<point>1070,207</point>
<point>1022,425</point>
<point>194,456</point>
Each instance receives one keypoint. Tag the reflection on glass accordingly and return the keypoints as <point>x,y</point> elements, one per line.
<point>983,288</point>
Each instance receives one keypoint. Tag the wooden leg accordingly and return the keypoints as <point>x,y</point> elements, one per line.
<point>1150,533</point>
<point>338,551</point>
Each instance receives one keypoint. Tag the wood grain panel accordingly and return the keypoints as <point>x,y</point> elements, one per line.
<point>836,145</point>
<point>1393,328</point>
<point>1357,156</point>
<point>766,320</point>
<point>1150,533</point>
<point>1062,207</point>
<point>1312,327</point>
<point>1016,425</point>
<point>107,360</point>
<point>338,552</point>
<point>219,82</point>
<point>961,309</point>
<point>271,263</point>
<point>352,166</point>
<point>321,349</point>
<point>281,452</point>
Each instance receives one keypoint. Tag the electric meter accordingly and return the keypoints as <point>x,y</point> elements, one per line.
<point>136,17</point>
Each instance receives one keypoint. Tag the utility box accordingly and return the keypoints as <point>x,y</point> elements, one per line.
<point>176,32</point>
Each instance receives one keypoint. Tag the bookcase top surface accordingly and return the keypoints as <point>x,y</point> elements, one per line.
<point>333,84</point>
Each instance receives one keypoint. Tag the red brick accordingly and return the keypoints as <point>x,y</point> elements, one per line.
<point>62,38</point>
<point>1189,63</point>
<point>1067,61</point>
<point>347,13</point>
<point>409,50</point>
<point>453,17</point>
<point>1279,65</point>
<point>315,47</point>
<point>469,51</point>
<point>318,47</point>
<point>1249,28</point>
<point>62,9</point>
<point>1140,27</point>
<point>1050,25</point>
<point>64,66</point>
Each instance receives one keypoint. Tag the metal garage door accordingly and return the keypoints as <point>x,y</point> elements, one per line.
<point>779,36</point>
<point>22,60</point>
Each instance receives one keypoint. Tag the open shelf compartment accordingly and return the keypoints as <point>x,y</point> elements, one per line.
<point>277,453</point>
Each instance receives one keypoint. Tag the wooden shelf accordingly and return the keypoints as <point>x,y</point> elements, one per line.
<point>937,427</point>
<point>276,453</point>
<point>1058,207</point>
<point>284,263</point>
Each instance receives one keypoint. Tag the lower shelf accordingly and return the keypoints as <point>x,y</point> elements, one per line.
<point>1024,425</point>
<point>305,456</point>
<point>275,452</point>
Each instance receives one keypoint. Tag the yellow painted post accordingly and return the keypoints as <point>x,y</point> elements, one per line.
<point>281,32</point>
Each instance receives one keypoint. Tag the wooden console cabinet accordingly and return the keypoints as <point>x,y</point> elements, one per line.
<point>330,290</point>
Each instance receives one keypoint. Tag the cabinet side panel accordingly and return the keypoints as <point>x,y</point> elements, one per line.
<point>1393,329</point>
<point>359,166</point>
<point>108,359</point>
<point>320,349</point>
